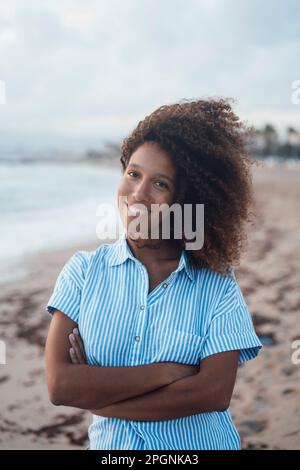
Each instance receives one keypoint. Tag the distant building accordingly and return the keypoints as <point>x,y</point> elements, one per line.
<point>293,136</point>
<point>265,143</point>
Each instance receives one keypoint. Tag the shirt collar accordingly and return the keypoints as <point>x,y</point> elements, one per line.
<point>120,252</point>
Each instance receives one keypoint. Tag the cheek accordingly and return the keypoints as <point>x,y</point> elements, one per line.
<point>121,190</point>
<point>123,187</point>
<point>165,198</point>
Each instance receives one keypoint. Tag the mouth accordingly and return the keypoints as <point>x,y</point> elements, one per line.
<point>134,210</point>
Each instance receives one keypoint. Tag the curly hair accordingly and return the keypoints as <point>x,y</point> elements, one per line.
<point>207,143</point>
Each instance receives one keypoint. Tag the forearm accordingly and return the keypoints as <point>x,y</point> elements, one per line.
<point>181,398</point>
<point>84,386</point>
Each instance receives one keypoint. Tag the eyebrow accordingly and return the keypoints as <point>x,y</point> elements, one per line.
<point>157,174</point>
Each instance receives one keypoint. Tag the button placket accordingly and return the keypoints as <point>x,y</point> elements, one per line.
<point>140,324</point>
<point>161,289</point>
<point>141,321</point>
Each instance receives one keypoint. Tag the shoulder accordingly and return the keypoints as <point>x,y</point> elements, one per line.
<point>215,284</point>
<point>217,289</point>
<point>84,261</point>
<point>102,256</point>
<point>77,263</point>
<point>81,262</point>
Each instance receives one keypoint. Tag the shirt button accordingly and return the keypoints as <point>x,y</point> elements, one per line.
<point>142,307</point>
<point>165,286</point>
<point>137,338</point>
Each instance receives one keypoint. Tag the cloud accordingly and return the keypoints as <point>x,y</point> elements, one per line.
<point>95,69</point>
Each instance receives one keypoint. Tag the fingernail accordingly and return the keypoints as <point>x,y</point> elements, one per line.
<point>76,331</point>
<point>72,337</point>
<point>72,350</point>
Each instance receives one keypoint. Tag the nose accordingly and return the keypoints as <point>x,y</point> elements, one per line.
<point>140,193</point>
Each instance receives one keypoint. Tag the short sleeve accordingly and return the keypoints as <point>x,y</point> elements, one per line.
<point>231,327</point>
<point>66,295</point>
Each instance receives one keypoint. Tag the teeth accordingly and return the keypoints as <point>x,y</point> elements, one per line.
<point>135,210</point>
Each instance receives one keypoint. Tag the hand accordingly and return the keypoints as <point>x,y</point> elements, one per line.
<point>77,352</point>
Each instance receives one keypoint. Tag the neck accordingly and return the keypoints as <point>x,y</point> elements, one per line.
<point>154,251</point>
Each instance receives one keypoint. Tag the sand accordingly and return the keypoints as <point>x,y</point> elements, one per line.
<point>266,400</point>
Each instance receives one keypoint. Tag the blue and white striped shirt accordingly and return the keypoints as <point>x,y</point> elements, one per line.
<point>191,315</point>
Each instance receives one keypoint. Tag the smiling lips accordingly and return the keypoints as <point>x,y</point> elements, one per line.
<point>137,209</point>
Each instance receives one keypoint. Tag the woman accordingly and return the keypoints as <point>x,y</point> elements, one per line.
<point>168,325</point>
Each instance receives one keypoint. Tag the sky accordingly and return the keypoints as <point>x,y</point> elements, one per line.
<point>80,73</point>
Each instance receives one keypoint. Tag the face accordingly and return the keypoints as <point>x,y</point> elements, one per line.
<point>150,178</point>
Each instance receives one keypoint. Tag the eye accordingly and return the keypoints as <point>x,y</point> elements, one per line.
<point>128,173</point>
<point>163,184</point>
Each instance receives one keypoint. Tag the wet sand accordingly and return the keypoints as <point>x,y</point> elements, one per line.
<point>266,401</point>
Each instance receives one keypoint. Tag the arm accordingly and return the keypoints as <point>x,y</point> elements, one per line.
<point>209,390</point>
<point>84,386</point>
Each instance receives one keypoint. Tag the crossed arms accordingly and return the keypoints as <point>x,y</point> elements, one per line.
<point>159,391</point>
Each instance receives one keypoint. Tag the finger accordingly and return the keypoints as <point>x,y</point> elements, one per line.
<point>79,341</point>
<point>77,349</point>
<point>80,344</point>
<point>73,356</point>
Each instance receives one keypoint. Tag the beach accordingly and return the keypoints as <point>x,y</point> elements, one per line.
<point>266,402</point>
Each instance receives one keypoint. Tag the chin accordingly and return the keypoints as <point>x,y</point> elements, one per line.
<point>138,240</point>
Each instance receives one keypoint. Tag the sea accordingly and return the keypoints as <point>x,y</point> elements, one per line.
<point>46,206</point>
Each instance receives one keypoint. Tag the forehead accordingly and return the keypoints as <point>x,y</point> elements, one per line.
<point>151,158</point>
